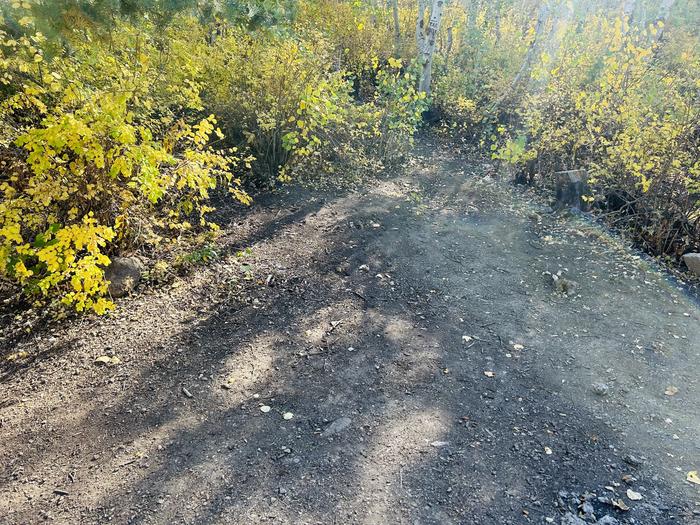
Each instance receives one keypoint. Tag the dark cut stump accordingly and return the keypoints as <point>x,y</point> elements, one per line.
<point>571,186</point>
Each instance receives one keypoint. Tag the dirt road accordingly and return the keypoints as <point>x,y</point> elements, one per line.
<point>394,355</point>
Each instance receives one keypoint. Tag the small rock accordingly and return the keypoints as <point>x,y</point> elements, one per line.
<point>439,444</point>
<point>364,268</point>
<point>632,460</point>
<point>607,520</point>
<point>570,519</point>
<point>105,360</point>
<point>287,415</point>
<point>265,409</point>
<point>337,426</point>
<point>629,478</point>
<point>564,286</point>
<point>601,389</point>
<point>634,496</point>
<point>692,261</point>
<point>343,268</point>
<point>587,510</point>
<point>123,274</point>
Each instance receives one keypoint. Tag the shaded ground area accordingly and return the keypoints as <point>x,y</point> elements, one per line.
<point>432,372</point>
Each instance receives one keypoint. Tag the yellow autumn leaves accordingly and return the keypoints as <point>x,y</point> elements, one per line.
<point>93,140</point>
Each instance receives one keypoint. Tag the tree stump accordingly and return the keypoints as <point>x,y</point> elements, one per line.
<point>571,186</point>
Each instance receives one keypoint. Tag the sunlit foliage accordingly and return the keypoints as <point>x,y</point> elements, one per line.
<point>119,119</point>
<point>586,84</point>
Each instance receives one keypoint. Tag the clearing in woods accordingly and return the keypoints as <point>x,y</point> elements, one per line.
<point>418,364</point>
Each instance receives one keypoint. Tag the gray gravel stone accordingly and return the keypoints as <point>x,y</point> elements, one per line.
<point>601,389</point>
<point>570,519</point>
<point>337,426</point>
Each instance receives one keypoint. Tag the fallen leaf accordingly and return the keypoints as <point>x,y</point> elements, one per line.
<point>518,346</point>
<point>693,477</point>
<point>488,373</point>
<point>619,504</point>
<point>629,479</point>
<point>671,391</point>
<point>547,451</point>
<point>466,339</point>
<point>634,496</point>
<point>265,409</point>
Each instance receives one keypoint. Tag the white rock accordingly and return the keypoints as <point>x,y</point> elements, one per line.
<point>692,261</point>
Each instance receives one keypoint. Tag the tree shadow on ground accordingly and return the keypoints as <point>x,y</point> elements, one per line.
<point>432,437</point>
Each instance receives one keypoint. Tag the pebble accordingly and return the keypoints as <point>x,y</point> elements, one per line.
<point>632,460</point>
<point>587,510</point>
<point>602,389</point>
<point>337,426</point>
<point>570,519</point>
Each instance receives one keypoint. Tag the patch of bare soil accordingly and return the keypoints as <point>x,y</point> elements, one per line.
<point>398,354</point>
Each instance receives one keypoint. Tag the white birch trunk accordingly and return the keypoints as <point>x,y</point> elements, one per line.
<point>426,39</point>
<point>524,71</point>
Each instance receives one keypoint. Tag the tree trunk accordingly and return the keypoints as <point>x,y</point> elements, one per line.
<point>523,75</point>
<point>448,48</point>
<point>373,16</point>
<point>426,39</point>
<point>666,6</point>
<point>420,22</point>
<point>628,7</point>
<point>397,27</point>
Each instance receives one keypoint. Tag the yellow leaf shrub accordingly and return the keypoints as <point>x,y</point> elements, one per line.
<point>295,110</point>
<point>109,140</point>
<point>102,149</point>
<point>614,95</point>
<point>627,109</point>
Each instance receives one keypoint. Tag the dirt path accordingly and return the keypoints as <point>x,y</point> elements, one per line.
<point>432,373</point>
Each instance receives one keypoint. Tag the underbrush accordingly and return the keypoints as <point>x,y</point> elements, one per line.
<point>592,89</point>
<point>114,138</point>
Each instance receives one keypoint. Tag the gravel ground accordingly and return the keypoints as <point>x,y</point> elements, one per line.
<point>398,354</point>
